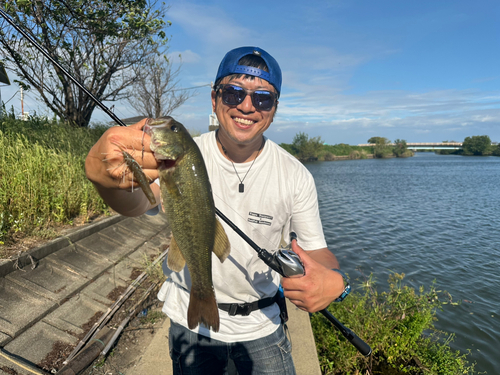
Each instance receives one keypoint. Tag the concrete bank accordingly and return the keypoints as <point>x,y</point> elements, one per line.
<point>45,307</point>
<point>156,360</point>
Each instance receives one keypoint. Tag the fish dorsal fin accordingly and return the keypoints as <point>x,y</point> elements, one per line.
<point>175,259</point>
<point>222,247</point>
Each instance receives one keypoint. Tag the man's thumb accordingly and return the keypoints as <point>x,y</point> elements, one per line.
<point>300,252</point>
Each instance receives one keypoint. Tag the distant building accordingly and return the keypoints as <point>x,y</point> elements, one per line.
<point>213,122</point>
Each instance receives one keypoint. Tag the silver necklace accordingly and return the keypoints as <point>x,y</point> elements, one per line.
<point>241,187</point>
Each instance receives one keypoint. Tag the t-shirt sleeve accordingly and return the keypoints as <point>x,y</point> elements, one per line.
<point>306,221</point>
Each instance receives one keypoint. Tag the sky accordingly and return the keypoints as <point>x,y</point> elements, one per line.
<point>422,71</point>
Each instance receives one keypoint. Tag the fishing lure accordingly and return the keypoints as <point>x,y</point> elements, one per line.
<point>137,174</point>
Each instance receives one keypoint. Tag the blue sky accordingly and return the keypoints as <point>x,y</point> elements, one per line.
<point>423,71</point>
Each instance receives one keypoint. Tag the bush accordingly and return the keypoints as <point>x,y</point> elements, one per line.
<point>477,145</point>
<point>398,325</point>
<point>382,151</point>
<point>328,156</point>
<point>342,149</point>
<point>309,149</point>
<point>358,154</point>
<point>305,148</point>
<point>401,149</point>
<point>42,177</point>
<point>496,151</point>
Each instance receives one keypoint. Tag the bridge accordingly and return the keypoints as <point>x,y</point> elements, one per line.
<point>425,146</point>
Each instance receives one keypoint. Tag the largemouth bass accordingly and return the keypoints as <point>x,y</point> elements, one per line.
<point>187,200</point>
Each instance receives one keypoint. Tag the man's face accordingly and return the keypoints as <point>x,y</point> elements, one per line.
<point>243,123</point>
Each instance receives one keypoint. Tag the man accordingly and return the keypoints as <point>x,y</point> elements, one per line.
<point>267,193</point>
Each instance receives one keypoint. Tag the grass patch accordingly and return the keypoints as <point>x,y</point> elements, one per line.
<point>398,325</point>
<point>42,177</point>
<point>153,317</point>
<point>154,271</point>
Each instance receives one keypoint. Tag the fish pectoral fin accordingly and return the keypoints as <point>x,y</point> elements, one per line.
<point>175,259</point>
<point>222,247</point>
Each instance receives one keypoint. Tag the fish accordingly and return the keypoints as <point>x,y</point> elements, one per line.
<point>187,201</point>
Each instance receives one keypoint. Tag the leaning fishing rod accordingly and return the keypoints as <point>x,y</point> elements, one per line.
<point>288,264</point>
<point>285,262</point>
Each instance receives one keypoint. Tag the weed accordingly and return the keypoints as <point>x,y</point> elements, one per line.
<point>393,323</point>
<point>154,271</point>
<point>42,177</point>
<point>153,317</point>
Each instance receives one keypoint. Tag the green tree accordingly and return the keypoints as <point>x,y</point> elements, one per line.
<point>100,43</point>
<point>496,150</point>
<point>382,147</point>
<point>477,145</point>
<point>306,149</point>
<point>378,140</point>
<point>400,147</point>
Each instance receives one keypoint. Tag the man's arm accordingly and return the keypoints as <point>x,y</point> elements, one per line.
<point>320,285</point>
<point>104,167</point>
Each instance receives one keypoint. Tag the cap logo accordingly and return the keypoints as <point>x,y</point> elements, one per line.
<point>257,53</point>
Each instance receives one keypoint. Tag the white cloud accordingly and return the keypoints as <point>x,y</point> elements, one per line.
<point>209,24</point>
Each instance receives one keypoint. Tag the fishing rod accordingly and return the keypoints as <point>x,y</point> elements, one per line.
<point>288,264</point>
<point>285,262</point>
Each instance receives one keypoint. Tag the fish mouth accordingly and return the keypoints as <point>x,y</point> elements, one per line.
<point>166,163</point>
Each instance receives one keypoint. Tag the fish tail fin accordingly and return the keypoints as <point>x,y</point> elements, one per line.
<point>203,309</point>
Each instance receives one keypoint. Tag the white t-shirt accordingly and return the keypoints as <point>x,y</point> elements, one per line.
<point>279,196</point>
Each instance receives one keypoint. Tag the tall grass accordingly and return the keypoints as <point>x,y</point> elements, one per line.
<point>343,149</point>
<point>398,325</point>
<point>42,177</point>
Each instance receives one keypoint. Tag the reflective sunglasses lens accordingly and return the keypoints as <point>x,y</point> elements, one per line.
<point>233,95</point>
<point>263,100</point>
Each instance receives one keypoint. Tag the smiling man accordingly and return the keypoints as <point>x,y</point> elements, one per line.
<point>267,193</point>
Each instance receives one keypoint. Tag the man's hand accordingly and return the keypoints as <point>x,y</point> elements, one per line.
<point>319,286</point>
<point>105,167</point>
<point>104,164</point>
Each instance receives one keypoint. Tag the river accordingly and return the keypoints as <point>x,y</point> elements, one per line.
<point>432,217</point>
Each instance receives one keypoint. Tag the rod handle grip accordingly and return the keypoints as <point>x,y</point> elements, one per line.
<point>354,339</point>
<point>359,344</point>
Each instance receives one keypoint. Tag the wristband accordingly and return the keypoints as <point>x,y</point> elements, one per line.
<point>347,286</point>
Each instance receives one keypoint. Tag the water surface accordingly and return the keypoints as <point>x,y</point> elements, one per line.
<point>432,217</point>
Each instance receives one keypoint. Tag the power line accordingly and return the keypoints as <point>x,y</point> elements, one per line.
<point>11,98</point>
<point>194,87</point>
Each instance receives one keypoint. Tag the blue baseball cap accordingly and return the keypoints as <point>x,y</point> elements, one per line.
<point>229,65</point>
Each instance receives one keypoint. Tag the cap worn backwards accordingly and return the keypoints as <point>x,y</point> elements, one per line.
<point>229,65</point>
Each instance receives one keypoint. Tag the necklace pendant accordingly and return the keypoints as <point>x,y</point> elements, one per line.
<point>241,188</point>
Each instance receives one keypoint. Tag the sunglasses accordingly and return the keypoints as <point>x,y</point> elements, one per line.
<point>234,95</point>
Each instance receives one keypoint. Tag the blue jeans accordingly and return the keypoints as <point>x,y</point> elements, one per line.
<point>194,354</point>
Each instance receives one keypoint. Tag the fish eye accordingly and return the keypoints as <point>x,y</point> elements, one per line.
<point>174,128</point>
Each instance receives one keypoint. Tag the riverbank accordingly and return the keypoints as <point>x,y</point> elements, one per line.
<point>43,317</point>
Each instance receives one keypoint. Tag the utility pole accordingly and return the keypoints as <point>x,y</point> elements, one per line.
<point>22,104</point>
